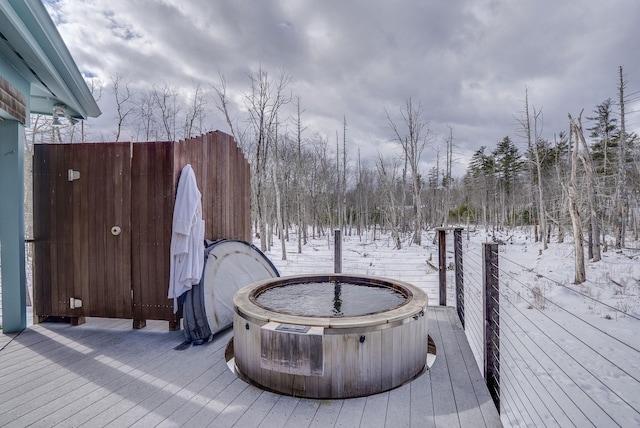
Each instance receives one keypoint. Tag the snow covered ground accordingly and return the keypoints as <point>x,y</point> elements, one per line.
<point>569,354</point>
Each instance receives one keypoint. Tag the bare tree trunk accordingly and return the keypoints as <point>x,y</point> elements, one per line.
<point>447,179</point>
<point>299,176</point>
<point>388,180</point>
<point>621,196</point>
<point>413,143</point>
<point>585,158</point>
<point>165,99</point>
<point>539,214</point>
<point>195,116</point>
<point>344,174</point>
<point>338,185</point>
<point>542,211</point>
<point>578,238</point>
<point>281,225</point>
<point>123,108</point>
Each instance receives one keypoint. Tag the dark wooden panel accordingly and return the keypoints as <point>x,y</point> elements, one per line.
<point>224,174</point>
<point>61,237</point>
<point>107,185</point>
<point>94,242</point>
<point>121,244</point>
<point>64,208</point>
<point>81,248</point>
<point>41,228</point>
<point>152,205</point>
<point>140,246</point>
<point>158,280</point>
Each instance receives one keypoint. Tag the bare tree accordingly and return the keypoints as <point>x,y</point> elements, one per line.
<point>322,183</point>
<point>95,86</point>
<point>572,193</point>
<point>446,181</point>
<point>388,178</point>
<point>165,99</point>
<point>223,104</point>
<point>146,125</point>
<point>124,107</point>
<point>412,134</point>
<point>622,202</point>
<point>533,137</point>
<point>298,176</point>
<point>275,175</point>
<point>344,171</point>
<point>263,102</point>
<point>585,159</point>
<point>195,115</point>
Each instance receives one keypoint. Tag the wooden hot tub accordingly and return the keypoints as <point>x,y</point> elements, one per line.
<point>330,355</point>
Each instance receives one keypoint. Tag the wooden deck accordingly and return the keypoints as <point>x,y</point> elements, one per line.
<point>103,373</point>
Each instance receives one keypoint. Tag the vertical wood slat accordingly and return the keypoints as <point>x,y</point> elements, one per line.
<point>157,275</point>
<point>100,250</point>
<point>41,228</point>
<point>139,246</point>
<point>66,258</point>
<point>53,226</point>
<point>81,214</point>
<point>92,300</point>
<point>122,242</point>
<point>151,221</point>
<point>106,203</point>
<point>61,219</point>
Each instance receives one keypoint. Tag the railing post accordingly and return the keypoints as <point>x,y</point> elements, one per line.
<point>337,252</point>
<point>457,248</point>
<point>491,316</point>
<point>442,264</point>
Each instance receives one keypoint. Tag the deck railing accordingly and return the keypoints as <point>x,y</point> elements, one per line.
<point>545,362</point>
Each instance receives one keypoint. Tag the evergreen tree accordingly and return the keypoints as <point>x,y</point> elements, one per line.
<point>606,136</point>
<point>480,180</point>
<point>508,163</point>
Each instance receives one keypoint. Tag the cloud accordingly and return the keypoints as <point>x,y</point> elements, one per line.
<point>468,62</point>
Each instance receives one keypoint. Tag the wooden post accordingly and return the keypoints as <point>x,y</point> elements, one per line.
<point>337,257</point>
<point>442,264</point>
<point>491,316</point>
<point>457,248</point>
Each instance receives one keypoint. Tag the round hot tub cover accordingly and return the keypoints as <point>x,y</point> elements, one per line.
<point>229,266</point>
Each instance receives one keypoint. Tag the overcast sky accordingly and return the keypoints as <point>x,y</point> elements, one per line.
<point>466,61</point>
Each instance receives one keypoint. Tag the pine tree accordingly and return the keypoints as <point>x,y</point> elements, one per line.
<point>606,135</point>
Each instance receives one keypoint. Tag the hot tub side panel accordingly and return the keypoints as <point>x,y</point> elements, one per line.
<point>356,363</point>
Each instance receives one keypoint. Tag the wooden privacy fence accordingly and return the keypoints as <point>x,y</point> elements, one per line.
<point>102,221</point>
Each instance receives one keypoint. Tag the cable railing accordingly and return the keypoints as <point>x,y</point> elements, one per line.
<point>557,366</point>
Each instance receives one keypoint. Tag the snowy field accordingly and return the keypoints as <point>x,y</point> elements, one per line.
<point>569,355</point>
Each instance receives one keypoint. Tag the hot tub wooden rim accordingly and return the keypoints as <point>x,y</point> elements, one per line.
<point>415,306</point>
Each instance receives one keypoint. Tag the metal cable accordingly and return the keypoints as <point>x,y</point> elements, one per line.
<point>578,362</point>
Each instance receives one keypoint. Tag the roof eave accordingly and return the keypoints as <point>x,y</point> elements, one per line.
<point>49,57</point>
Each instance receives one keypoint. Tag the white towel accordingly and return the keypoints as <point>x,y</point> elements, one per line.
<point>187,237</point>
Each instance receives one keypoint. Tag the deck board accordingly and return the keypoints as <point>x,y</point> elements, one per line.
<point>104,373</point>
